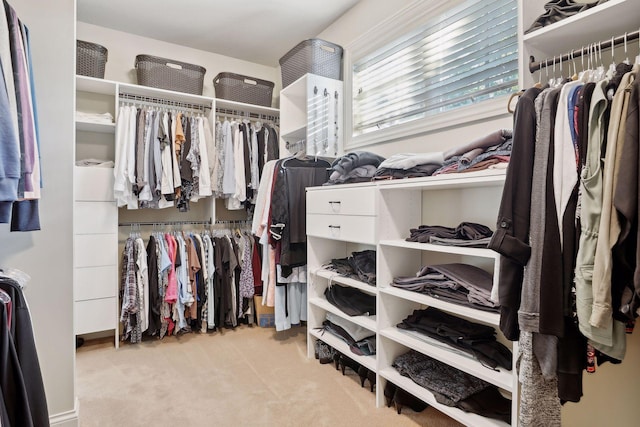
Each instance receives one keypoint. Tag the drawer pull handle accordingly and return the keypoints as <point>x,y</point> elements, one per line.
<point>334,226</point>
<point>334,201</point>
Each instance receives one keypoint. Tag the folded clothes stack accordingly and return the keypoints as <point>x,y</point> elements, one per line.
<point>474,338</point>
<point>351,301</point>
<point>453,387</point>
<point>98,118</point>
<point>461,284</point>
<point>492,151</point>
<point>409,165</point>
<point>467,234</point>
<point>360,340</point>
<point>360,266</point>
<point>357,166</point>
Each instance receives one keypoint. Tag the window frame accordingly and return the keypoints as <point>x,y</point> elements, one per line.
<point>405,21</point>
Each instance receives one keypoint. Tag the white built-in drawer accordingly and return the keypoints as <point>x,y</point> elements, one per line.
<point>359,229</point>
<point>95,282</point>
<point>93,184</point>
<point>95,250</point>
<point>95,315</point>
<point>95,218</point>
<point>347,201</point>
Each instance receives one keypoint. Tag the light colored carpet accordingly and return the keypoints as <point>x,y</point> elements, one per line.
<point>243,377</point>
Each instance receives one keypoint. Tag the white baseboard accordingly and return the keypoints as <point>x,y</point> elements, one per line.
<point>66,419</point>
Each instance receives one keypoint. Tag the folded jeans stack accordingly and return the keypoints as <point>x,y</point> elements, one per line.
<point>351,301</point>
<point>467,234</point>
<point>474,338</point>
<point>360,266</point>
<point>458,283</point>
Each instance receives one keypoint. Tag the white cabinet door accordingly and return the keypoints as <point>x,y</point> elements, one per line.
<point>95,315</point>
<point>95,282</point>
<point>96,250</point>
<point>95,218</point>
<point>93,184</point>
<point>350,201</point>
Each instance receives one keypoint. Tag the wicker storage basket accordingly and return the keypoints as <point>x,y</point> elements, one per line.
<point>91,59</point>
<point>313,56</point>
<point>236,87</point>
<point>168,74</point>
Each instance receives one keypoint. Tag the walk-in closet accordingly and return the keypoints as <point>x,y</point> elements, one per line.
<point>336,212</point>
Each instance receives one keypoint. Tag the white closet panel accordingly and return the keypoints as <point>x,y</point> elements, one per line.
<point>95,218</point>
<point>95,315</point>
<point>95,282</point>
<point>93,184</point>
<point>95,250</point>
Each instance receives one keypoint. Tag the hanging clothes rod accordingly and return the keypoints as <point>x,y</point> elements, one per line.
<point>246,114</point>
<point>159,102</point>
<point>605,44</point>
<point>163,223</point>
<point>232,222</point>
<point>296,146</point>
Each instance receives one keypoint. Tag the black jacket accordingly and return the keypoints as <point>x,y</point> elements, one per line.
<point>512,234</point>
<point>21,383</point>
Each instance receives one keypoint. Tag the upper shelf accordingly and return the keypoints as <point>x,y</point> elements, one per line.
<point>108,87</point>
<point>429,247</point>
<point>337,278</point>
<point>599,23</point>
<point>483,178</point>
<point>250,108</point>
<point>94,85</point>
<point>96,127</point>
<point>490,318</point>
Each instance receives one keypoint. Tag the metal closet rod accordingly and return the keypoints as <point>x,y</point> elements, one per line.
<point>245,114</point>
<point>137,224</point>
<point>605,44</point>
<point>162,102</point>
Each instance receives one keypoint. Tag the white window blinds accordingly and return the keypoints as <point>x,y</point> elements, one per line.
<point>467,55</point>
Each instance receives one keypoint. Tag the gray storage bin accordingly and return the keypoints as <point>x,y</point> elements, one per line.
<point>163,73</point>
<point>91,59</point>
<point>313,56</point>
<point>250,90</point>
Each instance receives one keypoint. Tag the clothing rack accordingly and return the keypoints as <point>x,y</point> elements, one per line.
<point>139,224</point>
<point>239,114</point>
<point>294,147</point>
<point>159,102</point>
<point>605,44</point>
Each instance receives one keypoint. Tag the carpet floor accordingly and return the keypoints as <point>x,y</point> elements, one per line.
<point>244,377</point>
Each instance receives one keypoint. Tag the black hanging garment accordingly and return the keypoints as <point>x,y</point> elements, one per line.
<point>23,403</point>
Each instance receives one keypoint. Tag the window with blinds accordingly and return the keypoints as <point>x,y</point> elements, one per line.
<point>465,56</point>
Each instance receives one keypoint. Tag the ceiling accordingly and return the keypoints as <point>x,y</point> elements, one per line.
<point>259,31</point>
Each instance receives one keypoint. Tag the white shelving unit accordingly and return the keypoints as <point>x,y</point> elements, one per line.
<point>312,117</point>
<point>610,19</point>
<point>96,216</point>
<point>326,211</point>
<point>394,208</point>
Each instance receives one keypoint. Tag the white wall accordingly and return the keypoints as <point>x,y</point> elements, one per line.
<point>357,21</point>
<point>47,255</point>
<point>124,47</point>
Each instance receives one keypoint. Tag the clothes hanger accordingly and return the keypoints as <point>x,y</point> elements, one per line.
<point>612,66</point>
<point>626,54</point>
<point>637,62</point>
<point>574,76</point>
